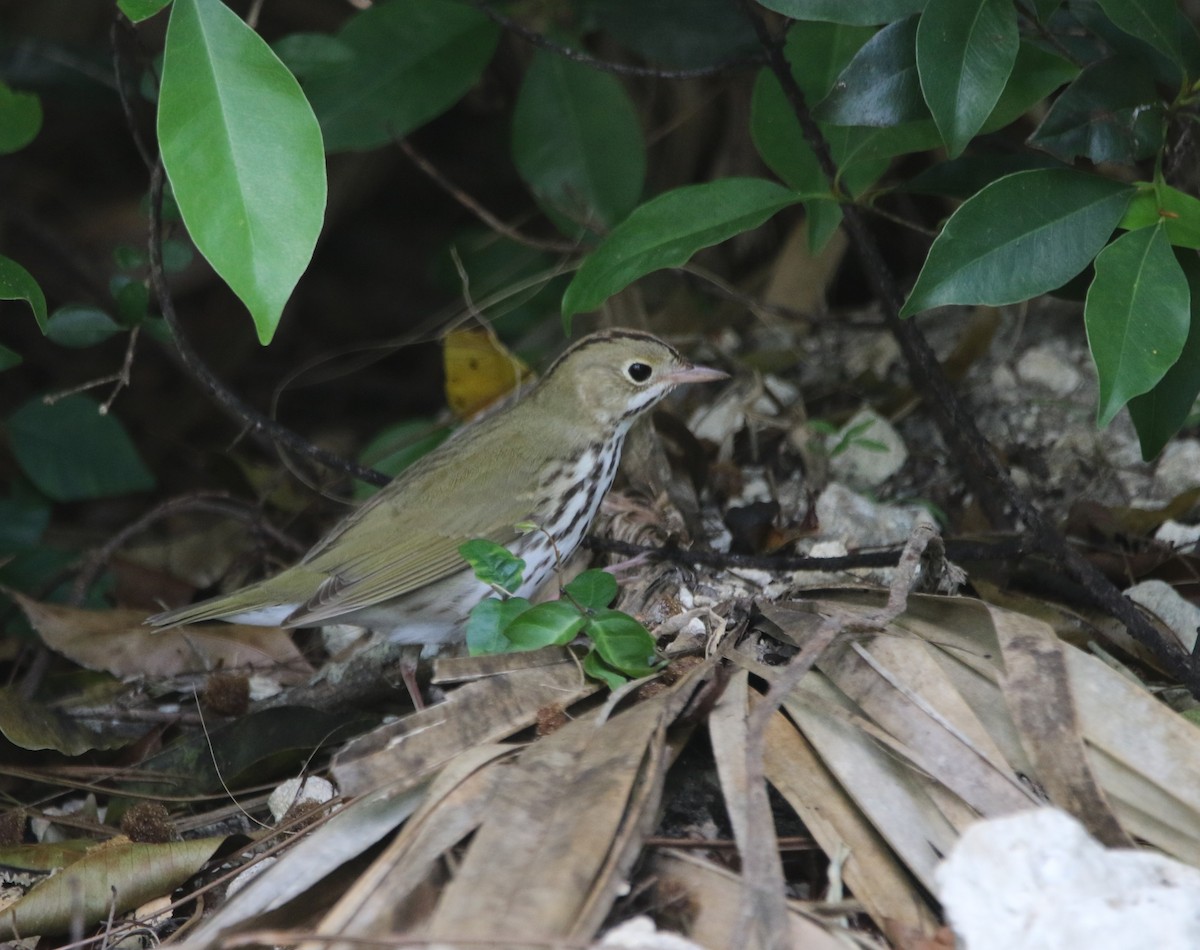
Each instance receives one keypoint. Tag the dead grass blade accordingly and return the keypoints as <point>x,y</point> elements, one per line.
<point>482,711</point>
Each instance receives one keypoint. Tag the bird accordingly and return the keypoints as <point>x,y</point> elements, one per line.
<point>529,477</point>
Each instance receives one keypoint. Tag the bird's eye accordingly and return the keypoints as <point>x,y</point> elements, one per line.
<point>638,372</point>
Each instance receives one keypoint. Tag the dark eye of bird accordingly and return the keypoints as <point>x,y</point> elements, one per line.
<point>639,372</point>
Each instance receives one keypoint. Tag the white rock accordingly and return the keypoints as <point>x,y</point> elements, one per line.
<point>1179,468</point>
<point>1037,881</point>
<point>1041,366</point>
<point>639,933</point>
<point>857,522</point>
<point>294,791</point>
<point>867,465</point>
<point>1162,600</point>
<point>1177,535</point>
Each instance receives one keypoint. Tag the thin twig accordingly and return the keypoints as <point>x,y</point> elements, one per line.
<point>988,478</point>
<point>264,430</point>
<point>120,23</point>
<point>219,503</point>
<point>607,66</point>
<point>482,213</point>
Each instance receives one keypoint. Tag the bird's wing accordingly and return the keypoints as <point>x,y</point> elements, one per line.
<point>408,535</point>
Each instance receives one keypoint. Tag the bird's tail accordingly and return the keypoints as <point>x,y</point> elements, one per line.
<point>251,605</point>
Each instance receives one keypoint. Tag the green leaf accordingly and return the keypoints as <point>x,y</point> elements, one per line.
<point>1137,316</point>
<point>622,642</point>
<point>1110,113</point>
<point>71,452</point>
<point>9,358</point>
<point>683,33</point>
<point>1023,235</point>
<point>306,53</point>
<point>880,86</point>
<point>1035,75</point>
<point>16,283</point>
<point>1152,21</point>
<point>138,10</point>
<point>485,625</point>
<point>1180,213</point>
<point>668,230</point>
<point>1160,413</point>
<point>412,60</point>
<point>554,623</point>
<point>132,297</point>
<point>966,50</point>
<point>594,589</point>
<point>861,12</point>
<point>577,143</point>
<point>397,447</point>
<point>78,326</point>
<point>818,52</point>
<point>597,669</point>
<point>20,119</point>
<point>493,563</point>
<point>243,152</point>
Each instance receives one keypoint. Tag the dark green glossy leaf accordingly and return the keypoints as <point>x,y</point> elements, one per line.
<point>132,297</point>
<point>16,283</point>
<point>1152,21</point>
<point>20,119</point>
<point>243,152</point>
<point>967,174</point>
<point>1035,75</point>
<point>880,86</point>
<point>592,589</point>
<point>554,623</point>
<point>682,33</point>
<point>1023,235</point>
<point>622,642</point>
<point>861,12</point>
<point>1110,113</point>
<point>412,60</point>
<point>78,326</point>
<point>818,52</point>
<point>577,143</point>
<point>966,50</point>
<point>138,10</point>
<point>29,724</point>
<point>71,452</point>
<point>493,563</point>
<point>485,625</point>
<point>9,358</point>
<point>1180,213</point>
<point>1137,316</point>
<point>306,53</point>
<point>668,230</point>
<point>597,669</point>
<point>1159,414</point>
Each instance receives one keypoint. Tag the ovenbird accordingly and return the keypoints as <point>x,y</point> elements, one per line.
<point>393,564</point>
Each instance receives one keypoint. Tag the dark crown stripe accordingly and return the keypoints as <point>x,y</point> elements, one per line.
<point>606,335</point>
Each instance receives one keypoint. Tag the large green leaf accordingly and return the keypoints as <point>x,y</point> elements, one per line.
<point>72,452</point>
<point>1137,316</point>
<point>138,10</point>
<point>1158,414</point>
<point>554,623</point>
<point>1153,21</point>
<point>243,152</point>
<point>16,283</point>
<point>861,12</point>
<point>684,33</point>
<point>880,86</point>
<point>1110,113</point>
<point>413,59</point>
<point>79,325</point>
<point>965,53</point>
<point>1179,211</point>
<point>668,230</point>
<point>577,143</point>
<point>1035,75</point>
<point>1023,235</point>
<point>20,119</point>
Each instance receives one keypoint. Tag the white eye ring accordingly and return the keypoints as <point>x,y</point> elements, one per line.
<point>638,372</point>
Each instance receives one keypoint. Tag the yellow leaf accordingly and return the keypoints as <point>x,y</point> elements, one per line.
<point>479,370</point>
